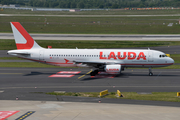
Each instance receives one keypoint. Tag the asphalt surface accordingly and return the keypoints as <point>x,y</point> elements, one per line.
<point>108,37</point>
<point>33,83</point>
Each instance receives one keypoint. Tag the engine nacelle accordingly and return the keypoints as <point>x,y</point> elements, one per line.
<point>113,69</point>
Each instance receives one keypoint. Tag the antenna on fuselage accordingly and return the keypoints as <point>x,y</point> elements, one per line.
<point>148,48</point>
<point>76,48</point>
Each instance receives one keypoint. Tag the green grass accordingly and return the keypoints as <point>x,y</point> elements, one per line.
<point>175,57</point>
<point>102,12</point>
<point>94,25</point>
<point>26,64</point>
<point>155,96</point>
<point>169,67</point>
<point>10,44</point>
<point>10,58</point>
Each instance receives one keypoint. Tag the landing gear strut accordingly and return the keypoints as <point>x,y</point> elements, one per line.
<point>95,72</point>
<point>150,72</point>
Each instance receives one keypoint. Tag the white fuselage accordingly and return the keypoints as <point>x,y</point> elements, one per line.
<point>112,61</point>
<point>124,57</point>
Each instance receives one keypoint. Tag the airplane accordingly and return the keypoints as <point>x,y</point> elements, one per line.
<point>111,61</point>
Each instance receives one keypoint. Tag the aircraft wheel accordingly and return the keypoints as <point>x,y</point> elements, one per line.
<point>92,73</point>
<point>96,72</point>
<point>150,74</point>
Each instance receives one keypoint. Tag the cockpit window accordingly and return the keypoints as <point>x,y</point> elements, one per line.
<point>162,55</point>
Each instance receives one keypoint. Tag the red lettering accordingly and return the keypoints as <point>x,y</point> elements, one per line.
<point>101,56</point>
<point>112,55</point>
<point>141,55</point>
<point>133,55</point>
<point>119,55</point>
<point>113,69</point>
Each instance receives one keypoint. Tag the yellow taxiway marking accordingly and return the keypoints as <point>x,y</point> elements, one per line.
<point>84,74</point>
<point>25,115</point>
<point>10,73</point>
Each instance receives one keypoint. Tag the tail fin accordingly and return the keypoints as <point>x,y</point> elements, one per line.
<point>22,38</point>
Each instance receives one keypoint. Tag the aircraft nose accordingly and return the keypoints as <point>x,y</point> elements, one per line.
<point>171,60</point>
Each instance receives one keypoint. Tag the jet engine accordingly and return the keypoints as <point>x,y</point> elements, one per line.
<point>113,69</point>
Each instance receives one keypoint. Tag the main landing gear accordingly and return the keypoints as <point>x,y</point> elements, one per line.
<point>95,72</point>
<point>150,72</point>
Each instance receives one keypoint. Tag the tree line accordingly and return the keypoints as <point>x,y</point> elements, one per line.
<point>114,4</point>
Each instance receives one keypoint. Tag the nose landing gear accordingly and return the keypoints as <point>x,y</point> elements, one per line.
<point>150,72</point>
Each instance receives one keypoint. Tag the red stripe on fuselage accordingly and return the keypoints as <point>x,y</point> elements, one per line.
<point>29,40</point>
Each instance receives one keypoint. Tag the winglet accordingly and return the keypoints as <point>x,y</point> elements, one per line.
<point>22,38</point>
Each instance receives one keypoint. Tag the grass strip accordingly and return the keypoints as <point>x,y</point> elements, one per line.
<point>26,64</point>
<point>94,25</point>
<point>155,96</point>
<point>10,44</point>
<point>94,12</point>
<point>10,58</point>
<point>169,67</point>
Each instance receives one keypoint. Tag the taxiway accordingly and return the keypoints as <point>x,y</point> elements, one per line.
<point>24,82</point>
